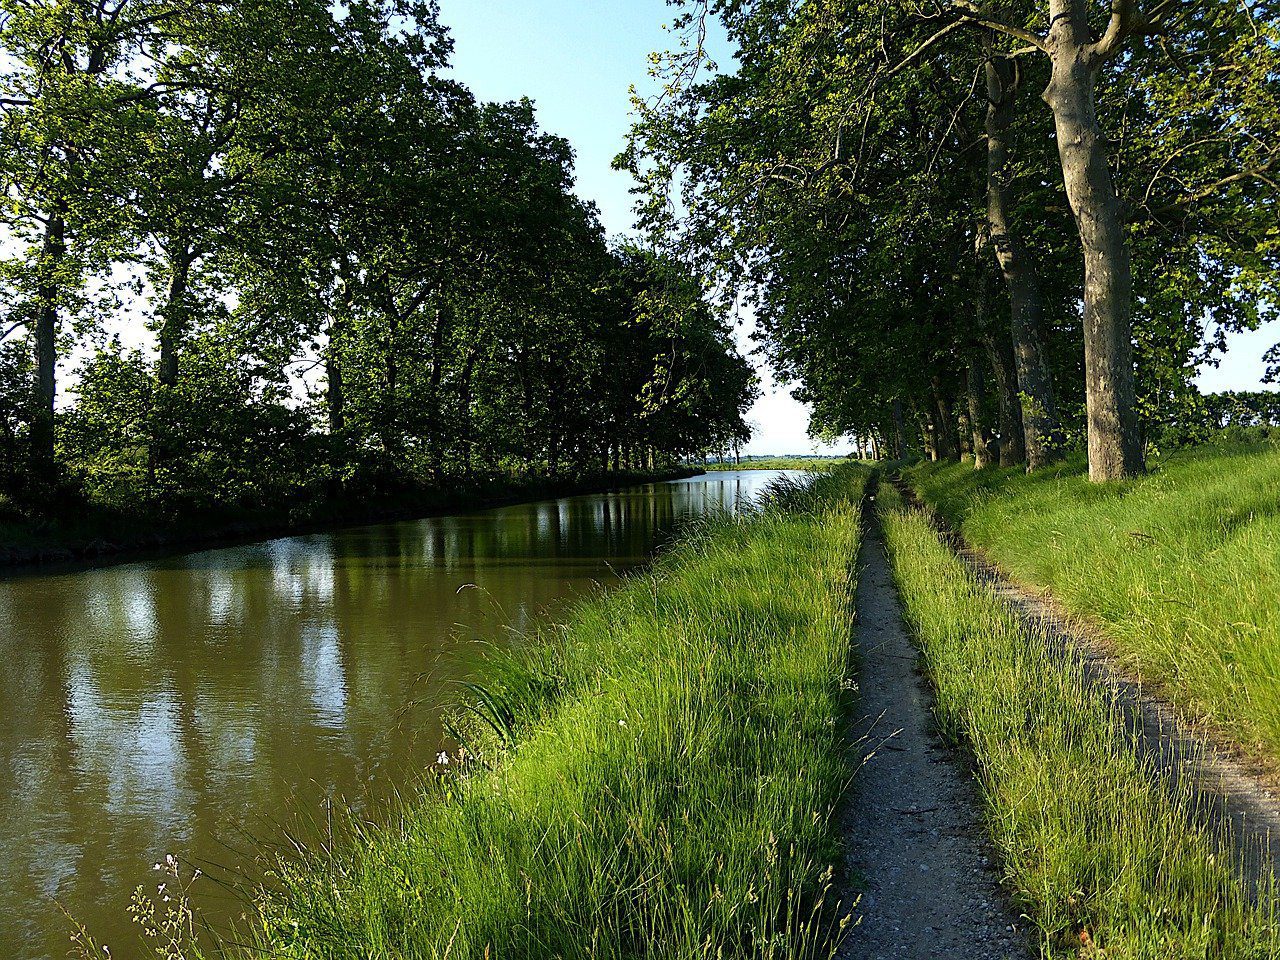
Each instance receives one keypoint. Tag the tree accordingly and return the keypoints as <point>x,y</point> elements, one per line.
<point>73,106</point>
<point>831,173</point>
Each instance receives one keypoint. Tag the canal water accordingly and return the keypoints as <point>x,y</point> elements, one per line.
<point>205,704</point>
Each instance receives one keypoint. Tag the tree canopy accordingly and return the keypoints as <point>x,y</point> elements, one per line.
<point>351,276</point>
<point>1003,228</point>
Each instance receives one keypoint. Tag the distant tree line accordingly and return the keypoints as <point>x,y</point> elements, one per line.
<point>352,276</point>
<point>1233,415</point>
<point>1002,229</point>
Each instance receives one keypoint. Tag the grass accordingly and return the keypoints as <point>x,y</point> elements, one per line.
<point>656,778</point>
<point>775,463</point>
<point>1181,569</point>
<point>1104,858</point>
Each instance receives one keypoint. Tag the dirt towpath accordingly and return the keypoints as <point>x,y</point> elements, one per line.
<point>915,843</point>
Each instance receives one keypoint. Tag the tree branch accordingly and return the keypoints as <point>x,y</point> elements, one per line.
<point>1254,173</point>
<point>970,15</point>
<point>920,50</point>
<point>1125,21</point>
<point>974,14</point>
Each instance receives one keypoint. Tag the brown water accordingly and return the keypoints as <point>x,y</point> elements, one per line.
<point>203,703</point>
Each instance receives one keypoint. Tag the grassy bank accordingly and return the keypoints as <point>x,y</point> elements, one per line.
<point>1104,859</point>
<point>83,529</point>
<point>1180,568</point>
<point>657,777</point>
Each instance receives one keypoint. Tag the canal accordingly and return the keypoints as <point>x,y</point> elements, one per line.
<point>207,704</point>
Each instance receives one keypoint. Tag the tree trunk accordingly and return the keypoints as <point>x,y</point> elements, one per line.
<point>435,438</point>
<point>964,433</point>
<point>1009,408</point>
<point>464,404</point>
<point>899,431</point>
<point>1115,447</point>
<point>983,452</point>
<point>52,254</point>
<point>173,325</point>
<point>335,387</point>
<point>173,318</point>
<point>1042,431</point>
<point>389,429</point>
<point>944,430</point>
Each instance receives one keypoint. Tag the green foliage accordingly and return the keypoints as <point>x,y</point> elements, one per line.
<point>1105,857</point>
<point>360,281</point>
<point>835,174</point>
<point>774,463</point>
<point>660,773</point>
<point>1233,416</point>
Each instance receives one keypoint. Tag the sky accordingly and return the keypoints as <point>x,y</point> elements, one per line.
<point>576,59</point>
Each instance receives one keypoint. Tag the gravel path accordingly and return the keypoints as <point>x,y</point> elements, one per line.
<point>928,886</point>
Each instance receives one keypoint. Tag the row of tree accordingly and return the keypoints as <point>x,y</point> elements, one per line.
<point>349,274</point>
<point>1002,226</point>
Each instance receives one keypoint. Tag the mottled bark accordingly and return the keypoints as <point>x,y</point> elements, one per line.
<point>1042,431</point>
<point>927,439</point>
<point>174,316</point>
<point>899,431</point>
<point>1008,405</point>
<point>464,405</point>
<point>1115,446</point>
<point>435,438</point>
<point>975,390</point>
<point>52,255</point>
<point>335,382</point>
<point>176,312</point>
<point>944,433</point>
<point>389,429</point>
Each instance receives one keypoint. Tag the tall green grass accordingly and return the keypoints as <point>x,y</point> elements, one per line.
<point>1104,858</point>
<point>1181,568</point>
<point>656,778</point>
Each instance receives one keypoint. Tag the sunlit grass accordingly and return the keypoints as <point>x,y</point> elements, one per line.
<point>1181,568</point>
<point>1105,859</point>
<point>656,778</point>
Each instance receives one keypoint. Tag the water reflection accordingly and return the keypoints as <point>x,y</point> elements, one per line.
<point>174,705</point>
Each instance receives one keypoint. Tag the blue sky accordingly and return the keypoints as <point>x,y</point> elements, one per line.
<point>576,60</point>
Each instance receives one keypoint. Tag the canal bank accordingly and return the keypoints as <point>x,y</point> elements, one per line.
<point>203,704</point>
<point>661,775</point>
<point>1105,854</point>
<point>101,537</point>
